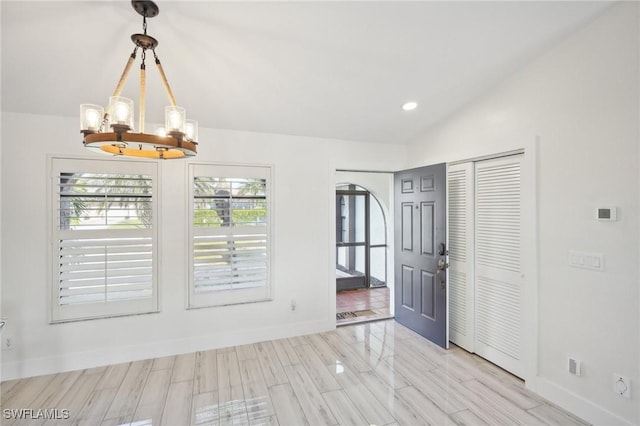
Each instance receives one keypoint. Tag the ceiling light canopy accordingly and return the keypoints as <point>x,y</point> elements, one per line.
<point>110,130</point>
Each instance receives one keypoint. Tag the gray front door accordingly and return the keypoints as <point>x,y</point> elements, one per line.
<point>420,252</point>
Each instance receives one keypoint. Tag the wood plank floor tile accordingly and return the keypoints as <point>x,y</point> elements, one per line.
<point>298,340</point>
<point>246,352</point>
<point>509,407</point>
<point>286,405</point>
<point>389,374</point>
<point>163,363</point>
<point>442,394</point>
<point>467,418</point>
<point>423,406</point>
<point>286,354</point>
<point>177,408</point>
<point>363,399</point>
<point>25,392</point>
<point>555,416</point>
<point>343,409</point>
<point>205,409</point>
<point>113,376</point>
<point>317,369</point>
<point>184,368</point>
<point>51,395</point>
<point>271,366</point>
<point>345,353</point>
<point>7,386</point>
<point>205,372</point>
<point>154,396</point>
<point>313,405</point>
<point>126,399</point>
<point>265,421</point>
<point>256,392</point>
<point>383,393</point>
<point>322,349</point>
<point>96,370</point>
<point>233,406</point>
<point>75,398</point>
<point>95,407</point>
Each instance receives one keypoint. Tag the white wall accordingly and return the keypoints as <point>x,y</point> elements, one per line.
<point>581,100</point>
<point>304,210</point>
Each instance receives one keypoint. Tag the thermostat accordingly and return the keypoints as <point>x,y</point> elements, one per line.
<point>606,214</point>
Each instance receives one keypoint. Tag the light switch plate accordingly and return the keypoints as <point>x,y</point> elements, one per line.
<point>593,261</point>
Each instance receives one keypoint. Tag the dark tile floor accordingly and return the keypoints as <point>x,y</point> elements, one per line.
<point>375,299</point>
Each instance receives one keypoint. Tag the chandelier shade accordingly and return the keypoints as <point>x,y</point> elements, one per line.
<point>111,130</point>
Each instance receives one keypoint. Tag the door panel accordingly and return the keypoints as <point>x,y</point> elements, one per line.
<point>407,226</point>
<point>428,295</point>
<point>460,226</point>
<point>498,260</point>
<point>407,287</point>
<point>421,296</point>
<point>427,226</point>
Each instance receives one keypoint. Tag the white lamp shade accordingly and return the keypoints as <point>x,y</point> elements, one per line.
<point>91,117</point>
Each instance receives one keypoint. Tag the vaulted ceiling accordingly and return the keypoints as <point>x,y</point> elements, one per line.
<point>328,69</point>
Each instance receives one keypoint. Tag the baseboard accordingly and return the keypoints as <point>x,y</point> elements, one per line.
<point>120,354</point>
<point>576,404</point>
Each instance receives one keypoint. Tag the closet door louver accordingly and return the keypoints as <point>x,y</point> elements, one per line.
<point>498,261</point>
<point>460,228</point>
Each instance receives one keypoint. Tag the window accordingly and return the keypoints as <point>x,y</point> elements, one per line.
<point>230,234</point>
<point>103,238</point>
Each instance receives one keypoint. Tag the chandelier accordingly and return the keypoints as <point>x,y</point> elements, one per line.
<point>110,130</point>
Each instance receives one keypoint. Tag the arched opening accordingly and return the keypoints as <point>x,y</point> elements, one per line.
<point>361,255</point>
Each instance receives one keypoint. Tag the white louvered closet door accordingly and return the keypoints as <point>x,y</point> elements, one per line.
<point>498,262</point>
<point>460,225</point>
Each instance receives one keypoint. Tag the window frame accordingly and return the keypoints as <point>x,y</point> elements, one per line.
<point>239,295</point>
<point>88,311</point>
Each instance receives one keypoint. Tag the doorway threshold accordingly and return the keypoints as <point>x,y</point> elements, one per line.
<point>362,305</point>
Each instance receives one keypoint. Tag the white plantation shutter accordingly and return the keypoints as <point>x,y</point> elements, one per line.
<point>104,239</point>
<point>230,234</point>
<point>229,261</point>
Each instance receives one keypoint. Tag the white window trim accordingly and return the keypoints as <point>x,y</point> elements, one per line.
<point>73,164</point>
<point>236,296</point>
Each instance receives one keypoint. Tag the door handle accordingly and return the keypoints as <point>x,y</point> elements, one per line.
<point>442,265</point>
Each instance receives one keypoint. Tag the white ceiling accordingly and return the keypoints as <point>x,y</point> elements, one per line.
<point>327,69</point>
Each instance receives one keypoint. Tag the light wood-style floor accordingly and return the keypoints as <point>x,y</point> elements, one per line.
<point>377,373</point>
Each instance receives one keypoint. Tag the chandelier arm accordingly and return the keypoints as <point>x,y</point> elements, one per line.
<point>143,82</point>
<point>165,82</point>
<point>125,73</point>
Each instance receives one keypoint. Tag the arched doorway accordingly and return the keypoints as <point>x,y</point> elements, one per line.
<point>361,256</point>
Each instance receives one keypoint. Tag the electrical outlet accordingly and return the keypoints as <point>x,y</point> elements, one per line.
<point>8,343</point>
<point>622,386</point>
<point>293,304</point>
<point>575,366</point>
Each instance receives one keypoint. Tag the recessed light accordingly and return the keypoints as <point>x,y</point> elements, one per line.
<point>410,106</point>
